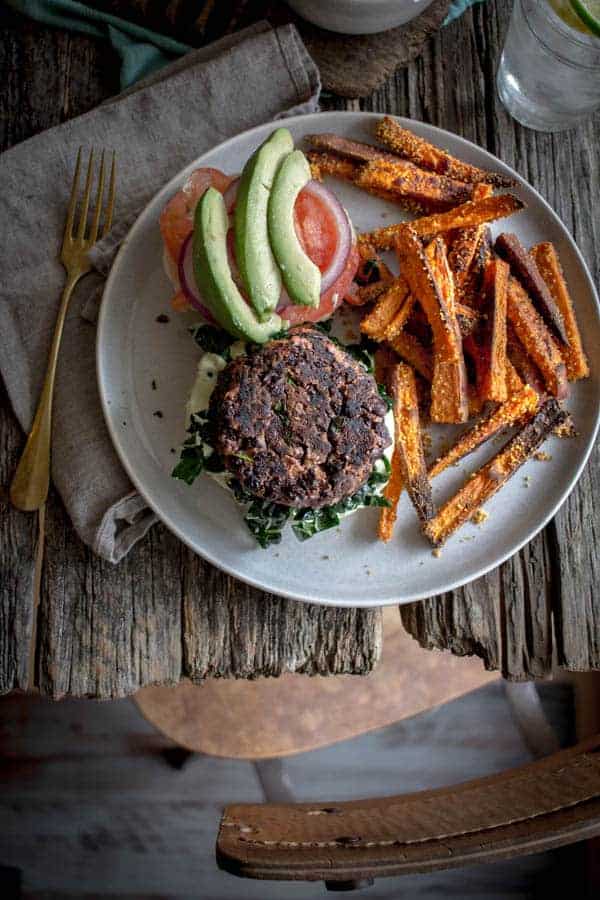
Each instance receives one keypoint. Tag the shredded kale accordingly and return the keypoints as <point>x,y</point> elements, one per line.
<point>308,522</point>
<point>383,393</point>
<point>266,521</point>
<point>370,271</point>
<point>197,455</point>
<point>213,340</point>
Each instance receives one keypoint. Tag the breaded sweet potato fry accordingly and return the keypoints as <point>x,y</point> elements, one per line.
<point>492,334</point>
<point>488,480</point>
<point>462,252</point>
<point>400,319</point>
<point>522,362</point>
<point>408,440</point>
<point>433,192</point>
<point>481,191</point>
<point>536,339</point>
<point>368,293</point>
<point>472,284</point>
<point>414,352</point>
<point>344,147</point>
<point>513,411</point>
<point>467,215</point>
<point>525,270</point>
<point>432,284</point>
<point>514,382</point>
<point>391,492</point>
<point>323,163</point>
<point>327,164</point>
<point>422,153</point>
<point>467,319</point>
<point>549,267</point>
<point>386,306</point>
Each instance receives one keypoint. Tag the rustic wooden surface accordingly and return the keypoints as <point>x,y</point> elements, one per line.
<point>350,65</point>
<point>104,631</point>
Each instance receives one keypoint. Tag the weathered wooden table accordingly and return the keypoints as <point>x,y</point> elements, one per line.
<point>79,626</point>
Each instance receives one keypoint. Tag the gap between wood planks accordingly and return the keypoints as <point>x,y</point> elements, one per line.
<point>37,584</point>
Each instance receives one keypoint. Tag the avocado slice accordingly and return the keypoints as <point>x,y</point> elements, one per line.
<point>301,276</point>
<point>213,274</point>
<point>258,269</point>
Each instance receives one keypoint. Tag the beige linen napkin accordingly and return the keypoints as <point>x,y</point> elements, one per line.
<point>156,128</point>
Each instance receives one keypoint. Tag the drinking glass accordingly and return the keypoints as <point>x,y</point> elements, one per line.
<point>549,74</point>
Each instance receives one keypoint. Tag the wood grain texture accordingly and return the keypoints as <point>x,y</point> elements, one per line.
<point>274,717</point>
<point>546,595</point>
<point>105,631</point>
<point>350,65</point>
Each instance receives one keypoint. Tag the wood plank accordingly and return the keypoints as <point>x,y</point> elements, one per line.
<point>232,629</point>
<point>274,717</point>
<point>105,631</point>
<point>18,536</point>
<point>507,617</point>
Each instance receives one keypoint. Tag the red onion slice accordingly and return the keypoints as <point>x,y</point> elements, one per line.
<point>230,195</point>
<point>344,231</point>
<point>188,280</point>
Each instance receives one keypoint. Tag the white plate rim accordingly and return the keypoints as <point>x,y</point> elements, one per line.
<point>399,599</point>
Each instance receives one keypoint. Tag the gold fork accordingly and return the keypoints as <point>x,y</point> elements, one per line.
<point>29,488</point>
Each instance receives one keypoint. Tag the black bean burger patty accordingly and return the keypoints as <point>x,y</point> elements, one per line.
<point>299,422</point>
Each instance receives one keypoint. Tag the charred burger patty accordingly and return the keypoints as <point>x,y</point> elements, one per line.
<point>298,422</point>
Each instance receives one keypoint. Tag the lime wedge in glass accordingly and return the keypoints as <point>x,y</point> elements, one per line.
<point>567,12</point>
<point>589,13</point>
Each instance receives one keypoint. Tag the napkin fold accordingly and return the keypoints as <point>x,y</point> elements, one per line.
<point>156,128</point>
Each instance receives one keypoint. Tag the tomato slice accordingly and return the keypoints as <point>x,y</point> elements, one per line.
<point>316,229</point>
<point>177,217</point>
<point>330,300</point>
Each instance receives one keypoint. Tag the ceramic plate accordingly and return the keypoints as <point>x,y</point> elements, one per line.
<point>146,367</point>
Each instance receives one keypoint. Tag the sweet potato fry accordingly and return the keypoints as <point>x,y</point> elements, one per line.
<point>461,253</point>
<point>432,284</point>
<point>537,340</point>
<point>422,153</point>
<point>549,267</point>
<point>414,352</point>
<point>467,215</point>
<point>391,492</point>
<point>467,319</point>
<point>522,362</point>
<point>323,163</point>
<point>492,334</point>
<point>481,191</point>
<point>472,284</point>
<point>408,440</point>
<point>525,270</point>
<point>400,319</point>
<point>353,150</point>
<point>514,410</point>
<point>514,382</point>
<point>488,480</point>
<point>433,192</point>
<point>386,307</point>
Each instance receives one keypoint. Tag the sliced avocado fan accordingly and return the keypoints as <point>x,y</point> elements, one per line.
<point>213,274</point>
<point>258,269</point>
<point>301,276</point>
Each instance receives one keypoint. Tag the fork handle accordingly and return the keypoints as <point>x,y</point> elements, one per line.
<point>29,488</point>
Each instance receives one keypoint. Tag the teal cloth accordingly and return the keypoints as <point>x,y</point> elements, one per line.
<point>141,51</point>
